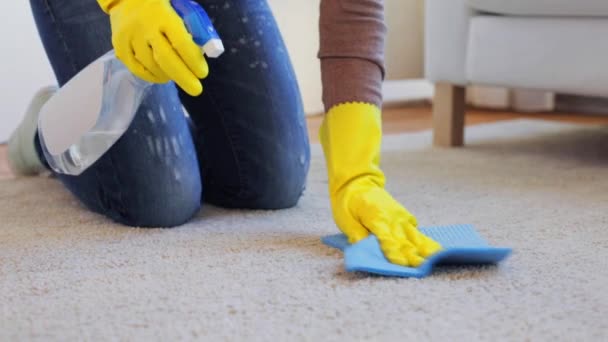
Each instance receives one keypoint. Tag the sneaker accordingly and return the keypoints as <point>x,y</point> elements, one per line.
<point>22,155</point>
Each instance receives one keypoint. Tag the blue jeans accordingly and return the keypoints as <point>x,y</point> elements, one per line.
<point>244,144</point>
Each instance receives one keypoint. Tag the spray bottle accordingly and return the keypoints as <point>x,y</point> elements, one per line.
<point>93,110</point>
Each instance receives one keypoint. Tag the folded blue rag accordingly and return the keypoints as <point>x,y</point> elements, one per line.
<point>461,243</point>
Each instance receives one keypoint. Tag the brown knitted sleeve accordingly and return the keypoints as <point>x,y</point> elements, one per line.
<point>352,38</point>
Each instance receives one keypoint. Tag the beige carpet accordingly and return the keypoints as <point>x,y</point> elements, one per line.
<point>541,188</point>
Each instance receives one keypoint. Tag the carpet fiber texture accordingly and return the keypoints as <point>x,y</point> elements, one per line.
<point>541,188</point>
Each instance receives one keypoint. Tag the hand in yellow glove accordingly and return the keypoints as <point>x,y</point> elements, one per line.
<point>351,135</point>
<point>151,39</point>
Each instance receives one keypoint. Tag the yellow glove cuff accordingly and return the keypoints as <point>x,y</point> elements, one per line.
<point>354,116</point>
<point>351,135</point>
<point>351,108</point>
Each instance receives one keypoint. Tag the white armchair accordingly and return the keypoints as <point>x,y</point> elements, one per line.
<point>554,45</point>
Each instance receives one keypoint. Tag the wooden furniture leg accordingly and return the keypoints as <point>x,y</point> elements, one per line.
<point>448,115</point>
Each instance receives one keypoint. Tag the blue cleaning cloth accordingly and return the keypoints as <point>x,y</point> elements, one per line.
<point>461,243</point>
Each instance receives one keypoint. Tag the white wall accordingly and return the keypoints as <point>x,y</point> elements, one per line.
<point>23,64</point>
<point>405,39</point>
<point>24,67</point>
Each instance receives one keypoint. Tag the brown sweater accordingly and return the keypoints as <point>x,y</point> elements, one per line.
<point>351,51</point>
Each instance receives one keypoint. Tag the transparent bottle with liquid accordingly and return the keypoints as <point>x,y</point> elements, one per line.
<point>88,115</point>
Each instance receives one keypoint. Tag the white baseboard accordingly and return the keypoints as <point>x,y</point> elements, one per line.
<point>520,100</point>
<point>403,91</point>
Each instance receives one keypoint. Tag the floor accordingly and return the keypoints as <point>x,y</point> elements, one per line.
<point>535,186</point>
<point>415,118</point>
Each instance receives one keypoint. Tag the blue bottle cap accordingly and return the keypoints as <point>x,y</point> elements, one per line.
<point>200,26</point>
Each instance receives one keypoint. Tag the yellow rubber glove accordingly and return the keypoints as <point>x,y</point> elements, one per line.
<point>351,135</point>
<point>151,39</point>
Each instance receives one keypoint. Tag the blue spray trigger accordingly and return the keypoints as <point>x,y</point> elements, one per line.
<point>200,26</point>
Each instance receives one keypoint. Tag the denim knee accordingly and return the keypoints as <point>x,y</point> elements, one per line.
<point>158,206</point>
<point>278,183</point>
